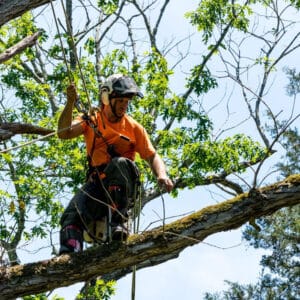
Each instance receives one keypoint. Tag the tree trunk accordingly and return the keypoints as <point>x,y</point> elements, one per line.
<point>152,247</point>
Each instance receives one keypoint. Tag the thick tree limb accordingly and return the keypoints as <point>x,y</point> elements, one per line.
<point>157,245</point>
<point>10,9</point>
<point>19,47</point>
<point>7,130</point>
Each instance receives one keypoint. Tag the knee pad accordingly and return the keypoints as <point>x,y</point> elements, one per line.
<point>71,239</point>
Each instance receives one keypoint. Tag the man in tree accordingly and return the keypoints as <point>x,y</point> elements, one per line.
<point>112,140</point>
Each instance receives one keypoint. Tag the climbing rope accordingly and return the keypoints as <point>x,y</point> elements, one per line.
<point>61,44</point>
<point>73,45</point>
<point>35,140</point>
<point>136,223</point>
<point>76,56</point>
<point>29,143</point>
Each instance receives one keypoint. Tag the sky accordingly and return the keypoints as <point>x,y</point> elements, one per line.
<point>200,268</point>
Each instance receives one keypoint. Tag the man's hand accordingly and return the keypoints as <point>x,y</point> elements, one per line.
<point>67,128</point>
<point>159,170</point>
<point>72,93</point>
<point>166,182</point>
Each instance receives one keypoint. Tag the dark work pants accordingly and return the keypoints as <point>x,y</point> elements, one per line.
<point>87,204</point>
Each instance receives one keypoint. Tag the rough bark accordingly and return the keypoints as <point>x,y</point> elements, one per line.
<point>7,130</point>
<point>19,47</point>
<point>10,9</point>
<point>152,247</point>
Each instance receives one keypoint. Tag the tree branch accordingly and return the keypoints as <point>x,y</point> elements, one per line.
<point>19,47</point>
<point>155,245</point>
<point>7,130</point>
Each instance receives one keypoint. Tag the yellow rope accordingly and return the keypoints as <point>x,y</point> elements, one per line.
<point>76,56</point>
<point>71,79</point>
<point>61,44</point>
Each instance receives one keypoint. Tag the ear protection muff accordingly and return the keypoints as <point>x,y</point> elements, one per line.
<point>105,96</point>
<point>106,90</point>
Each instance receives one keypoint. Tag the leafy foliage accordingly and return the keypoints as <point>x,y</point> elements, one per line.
<point>42,297</point>
<point>108,6</point>
<point>290,163</point>
<point>293,88</point>
<point>219,12</point>
<point>99,289</point>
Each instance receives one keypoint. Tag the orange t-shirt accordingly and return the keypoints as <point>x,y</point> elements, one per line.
<point>127,136</point>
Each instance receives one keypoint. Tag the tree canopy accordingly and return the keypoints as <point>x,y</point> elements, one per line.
<point>231,62</point>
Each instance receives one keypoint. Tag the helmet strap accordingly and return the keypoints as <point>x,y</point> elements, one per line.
<point>113,110</point>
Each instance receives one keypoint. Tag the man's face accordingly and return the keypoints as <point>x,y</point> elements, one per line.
<point>119,106</point>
